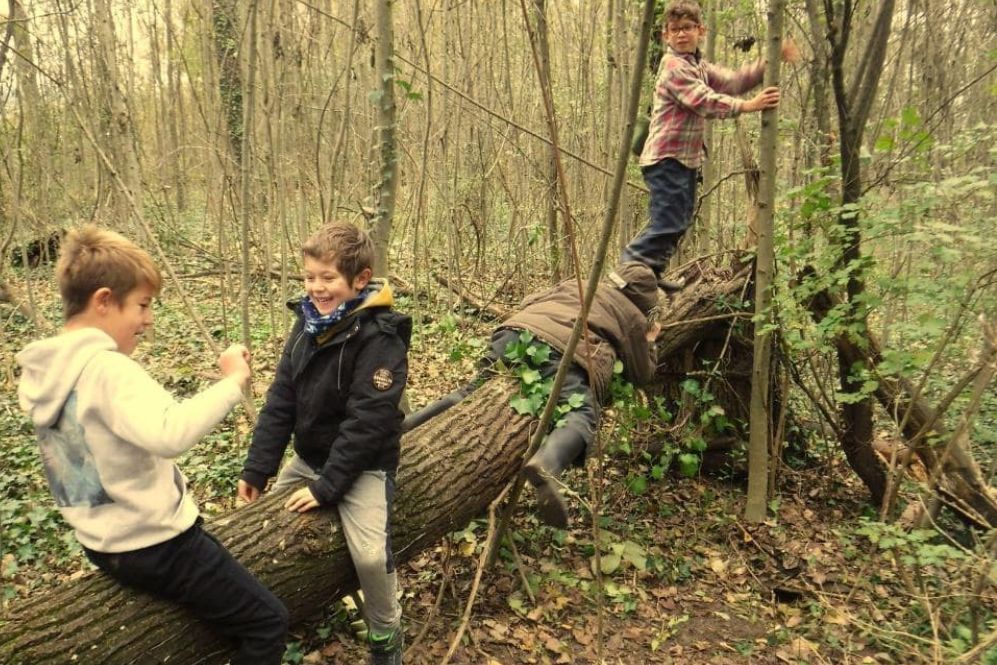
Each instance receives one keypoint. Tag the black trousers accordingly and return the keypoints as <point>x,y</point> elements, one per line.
<point>196,571</point>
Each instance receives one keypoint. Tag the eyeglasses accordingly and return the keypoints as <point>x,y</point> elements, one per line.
<point>687,28</point>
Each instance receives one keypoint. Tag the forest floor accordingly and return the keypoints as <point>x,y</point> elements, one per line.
<point>686,580</point>
<point>694,584</point>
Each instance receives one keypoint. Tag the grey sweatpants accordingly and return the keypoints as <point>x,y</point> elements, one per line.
<point>364,513</point>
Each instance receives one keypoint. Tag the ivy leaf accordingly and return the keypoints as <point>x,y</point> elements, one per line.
<point>688,464</point>
<point>522,406</point>
<point>635,554</point>
<point>576,400</point>
<point>529,376</point>
<point>609,563</point>
<point>540,353</point>
<point>637,485</point>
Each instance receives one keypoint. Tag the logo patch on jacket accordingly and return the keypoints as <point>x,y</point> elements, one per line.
<point>382,378</point>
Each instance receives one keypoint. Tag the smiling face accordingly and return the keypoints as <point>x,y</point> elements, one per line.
<point>126,321</point>
<point>327,287</point>
<point>684,35</point>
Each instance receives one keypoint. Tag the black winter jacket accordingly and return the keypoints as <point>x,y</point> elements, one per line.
<point>338,395</point>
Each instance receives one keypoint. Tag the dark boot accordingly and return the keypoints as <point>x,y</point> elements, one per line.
<point>562,447</point>
<point>387,649</point>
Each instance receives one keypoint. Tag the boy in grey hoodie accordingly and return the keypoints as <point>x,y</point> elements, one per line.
<point>108,433</point>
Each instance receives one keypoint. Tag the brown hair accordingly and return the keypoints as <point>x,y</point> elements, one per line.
<point>688,9</point>
<point>347,246</point>
<point>93,258</point>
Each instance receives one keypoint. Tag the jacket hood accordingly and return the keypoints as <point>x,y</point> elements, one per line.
<point>381,295</point>
<point>51,368</point>
<point>638,283</point>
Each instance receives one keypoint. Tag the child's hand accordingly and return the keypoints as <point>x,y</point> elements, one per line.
<point>766,99</point>
<point>653,333</point>
<point>790,51</point>
<point>234,362</point>
<point>301,501</point>
<point>247,492</point>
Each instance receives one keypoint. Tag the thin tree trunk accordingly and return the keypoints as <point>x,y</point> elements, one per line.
<point>245,175</point>
<point>385,67</point>
<point>702,229</point>
<point>225,34</point>
<point>759,442</point>
<point>854,102</point>
<point>553,239</point>
<point>119,122</point>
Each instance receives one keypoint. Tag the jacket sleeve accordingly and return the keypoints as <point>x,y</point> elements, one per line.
<point>373,419</point>
<point>638,355</point>
<point>641,370</point>
<point>275,424</point>
<point>682,81</point>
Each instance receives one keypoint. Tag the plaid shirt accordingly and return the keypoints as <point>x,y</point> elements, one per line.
<point>688,91</point>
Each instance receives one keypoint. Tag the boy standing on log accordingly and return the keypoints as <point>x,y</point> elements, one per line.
<point>622,324</point>
<point>108,434</point>
<point>337,391</point>
<point>688,91</point>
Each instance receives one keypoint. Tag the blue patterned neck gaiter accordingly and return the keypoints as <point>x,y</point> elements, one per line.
<point>316,323</point>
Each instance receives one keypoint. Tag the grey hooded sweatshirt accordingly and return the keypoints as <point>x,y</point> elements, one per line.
<point>108,433</point>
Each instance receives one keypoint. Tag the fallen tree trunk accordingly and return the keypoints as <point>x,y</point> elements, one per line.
<point>452,468</point>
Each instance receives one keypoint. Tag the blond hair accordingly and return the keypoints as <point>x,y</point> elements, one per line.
<point>93,258</point>
<point>343,244</point>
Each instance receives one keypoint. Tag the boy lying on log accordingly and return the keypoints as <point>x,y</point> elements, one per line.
<point>622,324</point>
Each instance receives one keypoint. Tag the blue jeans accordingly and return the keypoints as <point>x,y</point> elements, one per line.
<point>673,199</point>
<point>195,571</point>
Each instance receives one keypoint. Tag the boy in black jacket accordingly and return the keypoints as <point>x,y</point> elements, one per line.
<point>337,390</point>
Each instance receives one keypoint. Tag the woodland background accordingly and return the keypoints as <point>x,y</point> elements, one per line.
<point>220,133</point>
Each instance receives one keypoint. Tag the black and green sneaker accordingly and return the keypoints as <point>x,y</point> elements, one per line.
<point>386,649</point>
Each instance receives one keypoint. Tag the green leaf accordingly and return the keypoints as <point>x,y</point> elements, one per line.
<point>697,444</point>
<point>910,117</point>
<point>529,376</point>
<point>516,603</point>
<point>609,563</point>
<point>576,400</point>
<point>539,354</point>
<point>688,464</point>
<point>637,485</point>
<point>884,143</point>
<point>635,554</point>
<point>522,406</point>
